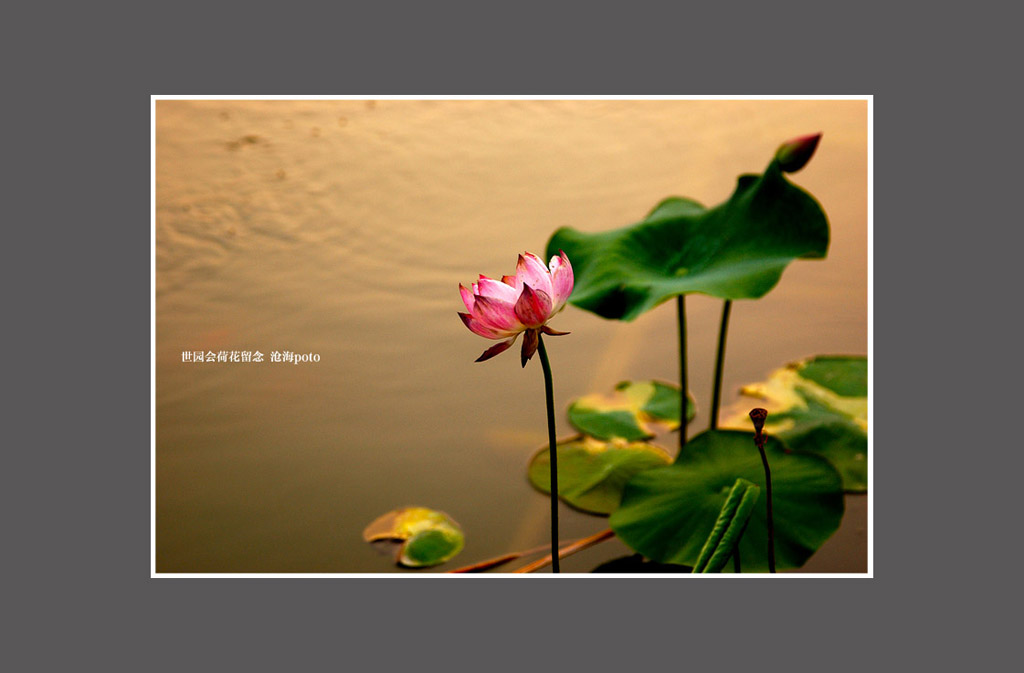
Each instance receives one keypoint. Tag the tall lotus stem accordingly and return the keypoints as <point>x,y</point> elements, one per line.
<point>681,310</point>
<point>719,364</point>
<point>758,416</point>
<point>549,393</point>
<point>523,304</point>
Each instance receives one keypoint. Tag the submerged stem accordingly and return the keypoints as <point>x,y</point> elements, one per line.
<point>681,310</point>
<point>499,560</point>
<point>719,364</point>
<point>578,545</point>
<point>549,393</point>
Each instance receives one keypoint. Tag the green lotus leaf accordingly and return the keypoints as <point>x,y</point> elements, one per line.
<point>424,537</point>
<point>818,405</point>
<point>845,375</point>
<point>736,250</point>
<point>668,513</point>
<point>592,473</point>
<point>636,410</point>
<point>431,547</point>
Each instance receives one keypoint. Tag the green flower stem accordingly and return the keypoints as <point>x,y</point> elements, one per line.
<point>549,392</point>
<point>719,363</point>
<point>768,492</point>
<point>681,310</point>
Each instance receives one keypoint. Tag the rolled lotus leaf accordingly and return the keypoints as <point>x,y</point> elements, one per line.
<point>732,520</point>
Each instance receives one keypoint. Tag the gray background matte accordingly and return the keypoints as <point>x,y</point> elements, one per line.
<point>77,342</point>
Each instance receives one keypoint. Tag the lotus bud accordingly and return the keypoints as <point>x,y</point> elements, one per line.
<point>794,154</point>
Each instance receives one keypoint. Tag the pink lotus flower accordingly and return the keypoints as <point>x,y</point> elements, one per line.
<point>516,304</point>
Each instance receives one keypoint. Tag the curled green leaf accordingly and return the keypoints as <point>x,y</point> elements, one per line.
<point>732,521</point>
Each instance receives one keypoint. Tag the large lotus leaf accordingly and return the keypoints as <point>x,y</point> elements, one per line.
<point>819,405</point>
<point>636,410</point>
<point>424,537</point>
<point>592,473</point>
<point>736,250</point>
<point>668,513</point>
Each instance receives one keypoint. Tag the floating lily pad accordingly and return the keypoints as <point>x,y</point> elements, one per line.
<point>818,405</point>
<point>636,410</point>
<point>424,537</point>
<point>845,375</point>
<point>668,513</point>
<point>592,473</point>
<point>736,250</point>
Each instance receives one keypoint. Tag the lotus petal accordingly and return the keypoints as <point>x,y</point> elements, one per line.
<point>467,297</point>
<point>488,287</point>
<point>497,348</point>
<point>533,272</point>
<point>496,314</point>
<point>477,328</point>
<point>533,307</point>
<point>561,281</point>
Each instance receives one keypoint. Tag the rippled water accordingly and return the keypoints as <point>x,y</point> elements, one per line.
<point>342,228</point>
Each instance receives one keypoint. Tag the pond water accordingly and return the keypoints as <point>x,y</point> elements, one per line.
<point>343,228</point>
